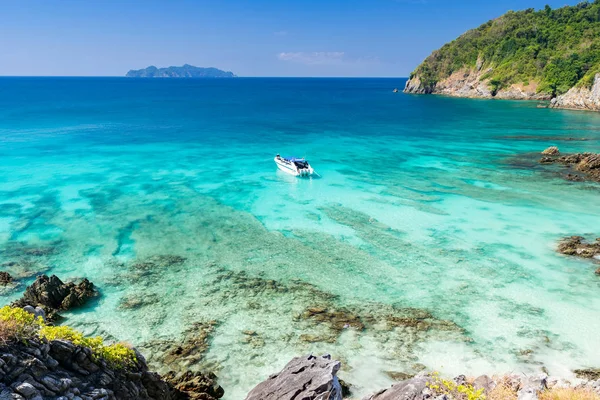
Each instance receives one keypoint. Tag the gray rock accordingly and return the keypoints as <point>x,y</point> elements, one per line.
<point>580,98</point>
<point>306,378</point>
<point>27,390</point>
<point>531,386</point>
<point>484,382</point>
<point>410,389</point>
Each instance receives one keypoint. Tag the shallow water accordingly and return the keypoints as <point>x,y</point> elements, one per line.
<point>428,242</point>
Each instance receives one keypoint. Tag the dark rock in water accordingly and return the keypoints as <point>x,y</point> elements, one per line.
<point>306,378</point>
<point>336,319</point>
<point>5,278</point>
<point>52,294</point>
<point>178,355</point>
<point>593,374</point>
<point>597,272</point>
<point>577,246</point>
<point>399,376</point>
<point>586,163</point>
<point>195,385</point>
<point>413,389</point>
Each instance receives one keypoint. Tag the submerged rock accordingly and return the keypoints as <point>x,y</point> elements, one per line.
<point>592,374</point>
<point>5,278</point>
<point>179,355</point>
<point>577,246</point>
<point>306,378</point>
<point>195,385</point>
<point>52,294</point>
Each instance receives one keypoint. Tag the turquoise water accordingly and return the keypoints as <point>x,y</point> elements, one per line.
<point>431,224</point>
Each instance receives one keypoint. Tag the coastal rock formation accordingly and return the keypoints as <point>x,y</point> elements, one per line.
<point>307,378</point>
<point>413,388</point>
<point>52,294</point>
<point>521,55</point>
<point>5,278</point>
<point>194,385</point>
<point>577,246</point>
<point>580,98</point>
<point>551,151</point>
<point>588,164</point>
<point>473,83</point>
<point>61,370</point>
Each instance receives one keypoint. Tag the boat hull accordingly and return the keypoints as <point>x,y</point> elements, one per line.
<point>291,169</point>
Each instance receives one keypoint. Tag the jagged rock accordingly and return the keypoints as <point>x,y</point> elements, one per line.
<point>51,294</point>
<point>37,312</point>
<point>410,389</point>
<point>5,278</point>
<point>532,386</point>
<point>306,378</point>
<point>551,151</point>
<point>61,370</point>
<point>577,246</point>
<point>580,98</point>
<point>586,163</point>
<point>484,382</point>
<point>195,385</point>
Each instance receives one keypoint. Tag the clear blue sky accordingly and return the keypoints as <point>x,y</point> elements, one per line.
<point>248,37</point>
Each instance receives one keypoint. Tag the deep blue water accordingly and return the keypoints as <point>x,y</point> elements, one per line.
<point>424,202</point>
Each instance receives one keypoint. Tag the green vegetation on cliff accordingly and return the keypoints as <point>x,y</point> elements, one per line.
<point>17,324</point>
<point>557,49</point>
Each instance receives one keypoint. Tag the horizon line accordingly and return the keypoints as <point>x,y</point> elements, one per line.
<point>205,78</point>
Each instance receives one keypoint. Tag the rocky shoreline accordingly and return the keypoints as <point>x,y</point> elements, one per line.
<point>586,166</point>
<point>473,84</point>
<point>60,369</point>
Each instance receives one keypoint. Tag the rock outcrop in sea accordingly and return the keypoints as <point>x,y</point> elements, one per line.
<point>586,165</point>
<point>52,295</point>
<point>580,98</point>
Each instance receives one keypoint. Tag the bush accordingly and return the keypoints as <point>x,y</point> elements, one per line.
<point>18,324</point>
<point>453,390</point>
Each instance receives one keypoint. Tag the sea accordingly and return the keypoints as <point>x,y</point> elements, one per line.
<point>427,240</point>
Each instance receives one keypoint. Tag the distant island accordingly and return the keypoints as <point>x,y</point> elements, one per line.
<point>532,55</point>
<point>185,71</point>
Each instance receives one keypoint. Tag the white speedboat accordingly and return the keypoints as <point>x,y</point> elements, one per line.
<point>294,166</point>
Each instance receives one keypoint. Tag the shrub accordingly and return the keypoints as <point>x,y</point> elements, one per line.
<point>453,390</point>
<point>18,324</point>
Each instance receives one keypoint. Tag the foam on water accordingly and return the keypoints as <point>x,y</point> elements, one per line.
<point>426,226</point>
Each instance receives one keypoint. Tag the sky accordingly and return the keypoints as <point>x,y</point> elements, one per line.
<point>345,38</point>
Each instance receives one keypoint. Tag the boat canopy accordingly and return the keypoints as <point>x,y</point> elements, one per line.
<point>294,159</point>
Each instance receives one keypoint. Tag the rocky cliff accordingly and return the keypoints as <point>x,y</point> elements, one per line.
<point>522,55</point>
<point>58,369</point>
<point>473,83</point>
<point>580,98</point>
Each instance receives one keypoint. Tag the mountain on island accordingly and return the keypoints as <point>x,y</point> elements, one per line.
<point>534,55</point>
<point>185,71</point>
